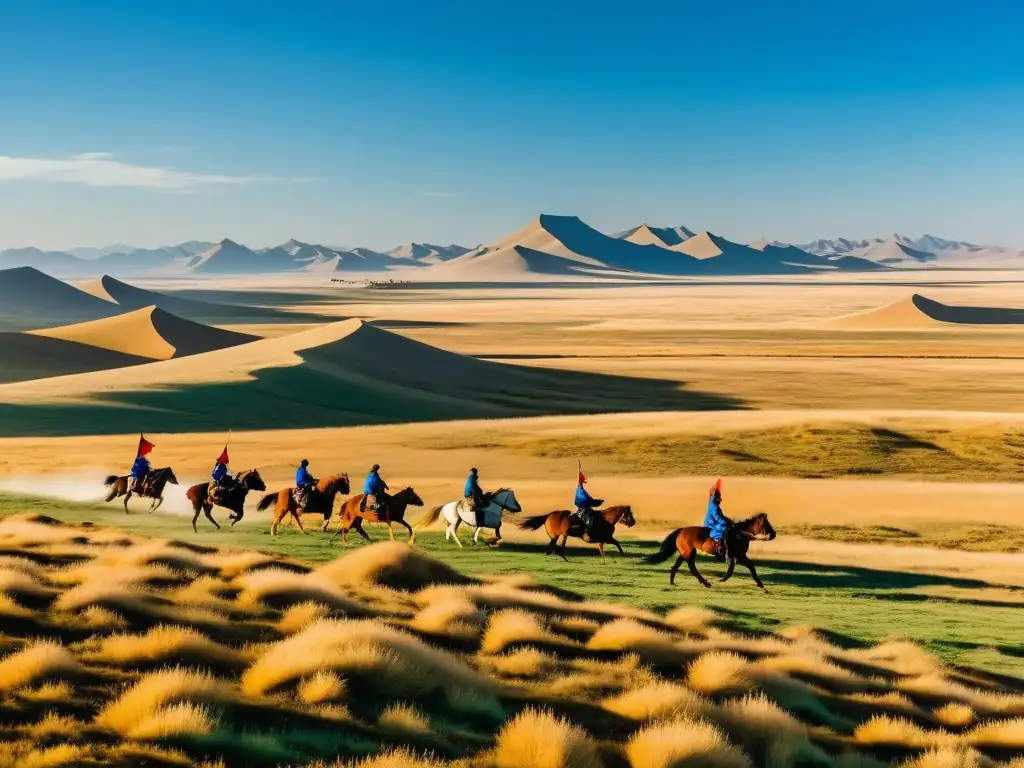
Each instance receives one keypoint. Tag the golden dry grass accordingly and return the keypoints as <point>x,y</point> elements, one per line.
<point>587,684</point>
<point>539,739</point>
<point>35,663</point>
<point>682,743</point>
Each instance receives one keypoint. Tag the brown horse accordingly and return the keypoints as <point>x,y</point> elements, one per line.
<point>232,499</point>
<point>152,487</point>
<point>319,502</point>
<point>563,523</point>
<point>688,541</point>
<point>352,517</point>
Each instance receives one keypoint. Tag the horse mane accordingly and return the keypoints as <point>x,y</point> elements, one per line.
<point>750,520</point>
<point>620,508</point>
<point>325,481</point>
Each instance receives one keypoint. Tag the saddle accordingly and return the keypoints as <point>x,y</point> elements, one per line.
<point>369,500</point>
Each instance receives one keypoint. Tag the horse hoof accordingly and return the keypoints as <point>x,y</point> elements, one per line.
<point>707,584</point>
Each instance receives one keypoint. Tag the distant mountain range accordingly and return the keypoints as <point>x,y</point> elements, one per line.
<point>551,245</point>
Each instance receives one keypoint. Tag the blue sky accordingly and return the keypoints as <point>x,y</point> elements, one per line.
<point>375,123</point>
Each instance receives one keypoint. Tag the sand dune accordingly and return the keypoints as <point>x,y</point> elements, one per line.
<point>27,356</point>
<point>148,332</point>
<point>660,236</point>
<point>921,312</point>
<point>338,374</point>
<point>30,299</point>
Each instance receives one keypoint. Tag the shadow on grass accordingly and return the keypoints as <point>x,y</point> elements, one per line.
<point>359,384</point>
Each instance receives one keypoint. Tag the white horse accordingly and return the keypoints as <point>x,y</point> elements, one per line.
<point>458,512</point>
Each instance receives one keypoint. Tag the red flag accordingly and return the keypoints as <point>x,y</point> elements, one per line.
<point>144,446</point>
<point>716,487</point>
<point>223,458</point>
<point>582,478</point>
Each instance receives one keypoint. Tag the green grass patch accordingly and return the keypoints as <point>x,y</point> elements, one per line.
<point>948,615</point>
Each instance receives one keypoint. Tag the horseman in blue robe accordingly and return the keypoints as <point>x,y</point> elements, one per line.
<point>141,469</point>
<point>222,479</point>
<point>375,490</point>
<point>474,496</point>
<point>716,522</point>
<point>585,505</point>
<point>304,482</point>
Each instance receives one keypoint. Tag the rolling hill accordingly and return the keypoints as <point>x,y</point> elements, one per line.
<point>665,237</point>
<point>30,299</point>
<point>343,373</point>
<point>149,332</point>
<point>920,312</point>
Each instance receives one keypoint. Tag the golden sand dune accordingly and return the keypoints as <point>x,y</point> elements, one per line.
<point>26,356</point>
<point>31,299</point>
<point>921,312</point>
<point>343,373</point>
<point>148,332</point>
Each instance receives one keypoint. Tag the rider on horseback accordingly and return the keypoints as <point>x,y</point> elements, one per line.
<point>585,506</point>
<point>717,522</point>
<point>222,479</point>
<point>140,471</point>
<point>374,491</point>
<point>474,496</point>
<point>304,482</point>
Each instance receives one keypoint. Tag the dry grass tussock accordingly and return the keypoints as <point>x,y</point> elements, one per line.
<point>538,739</point>
<point>193,653</point>
<point>683,743</point>
<point>35,663</point>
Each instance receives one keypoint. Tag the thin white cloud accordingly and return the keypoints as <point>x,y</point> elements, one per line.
<point>101,169</point>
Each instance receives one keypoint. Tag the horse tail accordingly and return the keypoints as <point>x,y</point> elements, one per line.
<point>668,548</point>
<point>534,523</point>
<point>268,501</point>
<point>111,479</point>
<point>430,518</point>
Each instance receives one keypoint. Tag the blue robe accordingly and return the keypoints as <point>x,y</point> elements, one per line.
<point>715,520</point>
<point>220,471</point>
<point>140,469</point>
<point>472,486</point>
<point>374,484</point>
<point>584,500</point>
<point>303,477</point>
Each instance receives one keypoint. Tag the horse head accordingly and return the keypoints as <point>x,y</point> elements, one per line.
<point>506,499</point>
<point>168,474</point>
<point>335,484</point>
<point>622,514</point>
<point>252,480</point>
<point>761,527</point>
<point>409,497</point>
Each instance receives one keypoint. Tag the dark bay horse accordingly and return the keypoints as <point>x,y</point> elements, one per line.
<point>152,487</point>
<point>232,499</point>
<point>352,517</point>
<point>563,523</point>
<point>693,539</point>
<point>320,501</point>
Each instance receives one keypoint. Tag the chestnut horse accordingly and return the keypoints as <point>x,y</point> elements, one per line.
<point>688,541</point>
<point>352,517</point>
<point>152,487</point>
<point>232,499</point>
<point>565,524</point>
<point>319,502</point>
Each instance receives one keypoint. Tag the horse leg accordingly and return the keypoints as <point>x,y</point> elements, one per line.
<point>391,531</point>
<point>618,546</point>
<point>156,505</point>
<point>729,570</point>
<point>453,528</point>
<point>279,513</point>
<point>239,514</point>
<point>600,549</point>
<point>412,533</point>
<point>675,569</point>
<point>113,493</point>
<point>298,519</point>
<point>476,535</point>
<point>692,565</point>
<point>753,571</point>
<point>208,509</point>
<point>195,509</point>
<point>565,541</point>
<point>551,545</point>
<point>126,497</point>
<point>497,536</point>
<point>327,520</point>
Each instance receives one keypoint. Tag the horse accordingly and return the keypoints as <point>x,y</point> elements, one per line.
<point>320,500</point>
<point>152,487</point>
<point>233,498</point>
<point>563,523</point>
<point>458,512</point>
<point>394,512</point>
<point>692,539</point>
